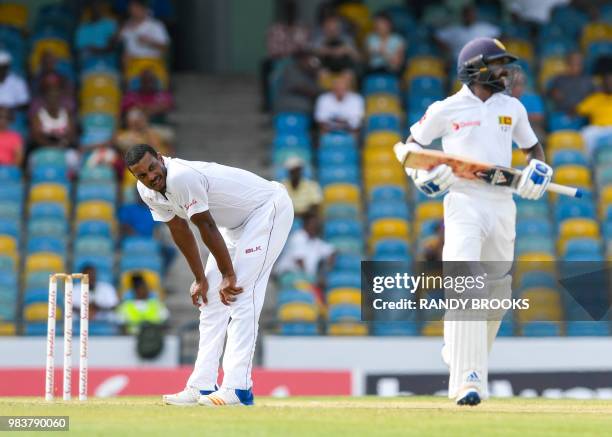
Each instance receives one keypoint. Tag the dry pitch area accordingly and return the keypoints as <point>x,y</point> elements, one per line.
<point>331,416</point>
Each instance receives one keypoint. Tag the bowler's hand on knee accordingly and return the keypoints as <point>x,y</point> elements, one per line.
<point>229,290</point>
<point>198,291</point>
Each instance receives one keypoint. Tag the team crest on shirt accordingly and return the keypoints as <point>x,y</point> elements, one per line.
<point>505,122</point>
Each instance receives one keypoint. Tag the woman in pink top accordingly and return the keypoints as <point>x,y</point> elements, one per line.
<point>11,143</point>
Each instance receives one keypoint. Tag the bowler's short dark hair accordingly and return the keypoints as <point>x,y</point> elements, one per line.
<point>136,153</point>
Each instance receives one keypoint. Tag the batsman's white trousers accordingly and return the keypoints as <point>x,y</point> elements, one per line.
<point>478,227</point>
<point>253,248</point>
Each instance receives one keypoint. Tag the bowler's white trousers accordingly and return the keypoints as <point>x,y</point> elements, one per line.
<point>253,248</point>
<point>477,227</point>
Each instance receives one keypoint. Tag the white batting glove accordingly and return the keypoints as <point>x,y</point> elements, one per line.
<point>433,183</point>
<point>401,150</point>
<point>534,180</point>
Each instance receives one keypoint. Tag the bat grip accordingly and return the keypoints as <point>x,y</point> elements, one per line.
<point>565,190</point>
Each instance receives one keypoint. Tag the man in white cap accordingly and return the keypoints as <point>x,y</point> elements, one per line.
<point>305,193</point>
<point>13,89</point>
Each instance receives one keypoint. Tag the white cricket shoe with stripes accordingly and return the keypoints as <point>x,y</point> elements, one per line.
<point>470,393</point>
<point>227,397</point>
<point>188,397</point>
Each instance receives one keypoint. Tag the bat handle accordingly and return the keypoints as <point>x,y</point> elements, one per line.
<point>565,190</point>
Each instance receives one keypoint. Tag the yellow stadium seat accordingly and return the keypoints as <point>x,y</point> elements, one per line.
<point>457,85</point>
<point>390,175</point>
<point>110,91</point>
<point>344,295</point>
<point>382,103</point>
<point>135,67</point>
<point>347,329</point>
<point>345,193</point>
<point>379,156</point>
<point>8,329</point>
<point>99,80</point>
<point>44,261</point>
<point>521,48</point>
<point>38,311</point>
<point>14,15</point>
<point>100,104</point>
<point>565,139</point>
<point>434,328</point>
<point>551,67</point>
<point>535,257</point>
<point>389,228</point>
<point>519,159</point>
<point>544,304</point>
<point>58,47</point>
<point>574,175</point>
<point>151,278</point>
<point>382,139</point>
<point>429,210</point>
<point>359,16</point>
<point>8,245</point>
<point>595,32</point>
<point>297,311</point>
<point>578,228</point>
<point>95,210</point>
<point>424,66</point>
<point>49,192</point>
<point>605,199</point>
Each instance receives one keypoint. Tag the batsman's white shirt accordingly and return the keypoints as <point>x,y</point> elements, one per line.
<point>479,219</point>
<point>255,216</point>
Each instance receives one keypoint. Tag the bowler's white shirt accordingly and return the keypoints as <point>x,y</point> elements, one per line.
<point>350,109</point>
<point>13,91</point>
<point>231,194</point>
<point>483,131</point>
<point>150,28</point>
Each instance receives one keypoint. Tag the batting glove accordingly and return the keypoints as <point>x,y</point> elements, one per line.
<point>534,180</point>
<point>433,183</point>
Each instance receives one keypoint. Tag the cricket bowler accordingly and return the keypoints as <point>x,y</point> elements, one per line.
<point>479,122</point>
<point>244,220</point>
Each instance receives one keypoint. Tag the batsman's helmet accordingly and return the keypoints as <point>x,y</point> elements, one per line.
<point>474,59</point>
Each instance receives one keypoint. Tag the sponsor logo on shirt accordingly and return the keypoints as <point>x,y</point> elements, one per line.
<point>190,204</point>
<point>460,124</point>
<point>253,249</point>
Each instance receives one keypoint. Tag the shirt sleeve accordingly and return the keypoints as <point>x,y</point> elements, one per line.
<point>322,113</point>
<point>191,189</point>
<point>23,95</point>
<point>431,126</point>
<point>523,134</point>
<point>159,33</point>
<point>160,213</point>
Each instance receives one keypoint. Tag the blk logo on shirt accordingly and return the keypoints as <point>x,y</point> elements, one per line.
<point>253,249</point>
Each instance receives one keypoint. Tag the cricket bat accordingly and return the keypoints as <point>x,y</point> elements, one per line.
<point>469,169</point>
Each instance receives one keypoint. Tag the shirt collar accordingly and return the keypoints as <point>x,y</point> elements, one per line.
<point>465,91</point>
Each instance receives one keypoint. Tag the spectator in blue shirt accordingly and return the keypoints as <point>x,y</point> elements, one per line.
<point>532,102</point>
<point>135,219</point>
<point>384,47</point>
<point>96,37</point>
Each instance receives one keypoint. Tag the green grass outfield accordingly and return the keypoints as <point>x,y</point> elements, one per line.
<point>331,416</point>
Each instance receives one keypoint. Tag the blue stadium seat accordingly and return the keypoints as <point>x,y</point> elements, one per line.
<point>10,173</point>
<point>337,156</point>
<point>385,209</point>
<point>95,191</point>
<point>48,210</point>
<point>383,122</point>
<point>352,245</point>
<point>556,47</point>
<point>140,246</point>
<point>282,141</point>
<point>339,174</point>
<point>584,256</point>
<point>344,313</point>
<point>583,245</point>
<point>534,243</point>
<point>426,85</point>
<point>291,123</point>
<point>48,157</point>
<point>40,295</point>
<point>565,210</point>
<point>395,328</point>
<point>506,329</point>
<point>337,139</point>
<point>563,157</point>
<point>533,226</point>
<point>393,257</point>
<point>298,328</point>
<point>11,191</point>
<point>7,264</point>
<point>341,211</point>
<point>388,193</point>
<point>93,245</point>
<point>578,328</point>
<point>341,279</point>
<point>420,103</point>
<point>52,227</point>
<point>9,227</point>
<point>100,173</point>
<point>98,327</point>
<point>381,83</point>
<point>290,296</point>
<point>429,228</point>
<point>137,262</point>
<point>342,228</point>
<point>10,210</point>
<point>541,329</point>
<point>562,121</point>
<point>40,328</point>
<point>102,264</point>
<point>47,244</point>
<point>392,247</point>
<point>347,262</point>
<point>94,228</point>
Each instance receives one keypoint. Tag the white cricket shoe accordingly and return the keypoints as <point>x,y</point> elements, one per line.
<point>469,397</point>
<point>227,397</point>
<point>187,397</point>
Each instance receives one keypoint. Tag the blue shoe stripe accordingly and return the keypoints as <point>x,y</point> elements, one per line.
<point>245,396</point>
<point>207,392</point>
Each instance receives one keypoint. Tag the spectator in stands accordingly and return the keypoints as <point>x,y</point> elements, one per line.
<point>340,109</point>
<point>53,83</point>
<point>155,102</point>
<point>532,102</point>
<point>52,125</point>
<point>305,194</point>
<point>284,38</point>
<point>143,36</point>
<point>569,89</point>
<point>298,87</point>
<point>96,36</point>
<point>385,49</point>
<point>143,308</point>
<point>138,131</point>
<point>598,108</point>
<point>455,36</point>
<point>11,143</point>
<point>306,252</point>
<point>336,49</point>
<point>103,297</point>
<point>13,89</point>
<point>50,67</point>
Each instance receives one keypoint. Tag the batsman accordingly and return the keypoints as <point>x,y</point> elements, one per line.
<point>479,122</point>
